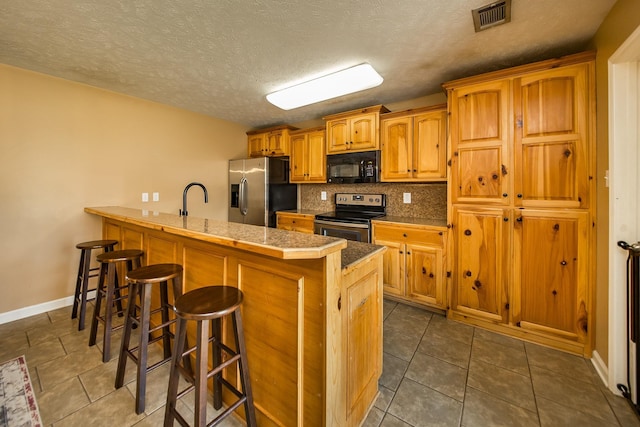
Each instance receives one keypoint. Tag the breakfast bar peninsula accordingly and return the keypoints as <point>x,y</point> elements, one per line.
<point>312,310</point>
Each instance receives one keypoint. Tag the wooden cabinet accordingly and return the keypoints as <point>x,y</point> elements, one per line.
<point>481,239</point>
<point>551,153</point>
<point>269,142</point>
<point>551,281</point>
<point>479,129</point>
<point>413,265</point>
<point>356,130</point>
<point>413,145</point>
<point>293,221</point>
<point>308,159</point>
<point>522,165</point>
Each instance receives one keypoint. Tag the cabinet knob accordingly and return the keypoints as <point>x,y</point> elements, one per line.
<point>415,170</point>
<point>519,219</point>
<point>505,219</point>
<point>467,232</point>
<point>519,196</point>
<point>468,273</point>
<point>504,194</point>
<point>404,234</point>
<point>563,263</point>
<point>431,275</point>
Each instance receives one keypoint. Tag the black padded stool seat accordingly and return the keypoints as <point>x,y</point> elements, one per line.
<point>140,282</point>
<point>203,305</point>
<point>110,292</point>
<point>85,272</point>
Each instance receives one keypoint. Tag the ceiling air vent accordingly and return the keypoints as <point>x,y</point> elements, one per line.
<point>491,15</point>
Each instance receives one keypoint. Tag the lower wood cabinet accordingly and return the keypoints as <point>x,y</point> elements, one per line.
<point>524,272</point>
<point>413,265</point>
<point>292,221</point>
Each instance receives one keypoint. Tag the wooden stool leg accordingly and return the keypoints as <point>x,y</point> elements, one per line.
<point>126,335</point>
<point>164,312</point>
<point>143,347</point>
<point>108,312</point>
<point>96,308</point>
<point>202,366</point>
<point>174,375</point>
<point>84,289</point>
<point>238,331</point>
<point>76,300</point>
<point>216,352</point>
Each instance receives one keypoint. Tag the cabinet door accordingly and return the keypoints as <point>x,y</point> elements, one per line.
<point>481,249</point>
<point>337,136</point>
<point>480,165</point>
<point>397,149</point>
<point>278,143</point>
<point>364,132</point>
<point>298,165</point>
<point>316,158</point>
<point>425,281</point>
<point>393,270</point>
<point>429,145</point>
<point>257,145</point>
<point>552,138</point>
<point>551,272</point>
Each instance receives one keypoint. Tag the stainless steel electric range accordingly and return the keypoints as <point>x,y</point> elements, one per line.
<point>352,217</point>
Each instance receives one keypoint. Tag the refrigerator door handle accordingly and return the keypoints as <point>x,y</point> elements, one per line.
<point>243,196</point>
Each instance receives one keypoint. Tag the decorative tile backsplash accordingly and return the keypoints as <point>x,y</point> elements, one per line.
<point>427,200</point>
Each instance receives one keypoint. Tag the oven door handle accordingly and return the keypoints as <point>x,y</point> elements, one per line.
<point>341,224</point>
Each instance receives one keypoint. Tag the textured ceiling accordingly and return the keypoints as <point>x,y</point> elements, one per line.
<point>221,57</point>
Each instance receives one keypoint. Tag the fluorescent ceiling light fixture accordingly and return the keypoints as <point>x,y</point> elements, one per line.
<point>340,83</point>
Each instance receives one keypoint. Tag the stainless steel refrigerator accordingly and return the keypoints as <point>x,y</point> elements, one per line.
<point>259,187</point>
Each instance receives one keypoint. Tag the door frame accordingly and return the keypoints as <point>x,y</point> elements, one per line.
<point>624,192</point>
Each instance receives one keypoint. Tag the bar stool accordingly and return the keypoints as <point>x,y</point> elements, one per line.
<point>140,284</point>
<point>110,292</point>
<point>85,272</point>
<point>202,305</point>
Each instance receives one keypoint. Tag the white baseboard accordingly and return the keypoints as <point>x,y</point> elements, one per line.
<point>601,367</point>
<point>21,313</point>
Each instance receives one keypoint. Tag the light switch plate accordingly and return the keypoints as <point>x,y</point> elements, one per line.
<point>406,197</point>
<point>323,195</point>
<point>156,196</point>
<point>145,197</point>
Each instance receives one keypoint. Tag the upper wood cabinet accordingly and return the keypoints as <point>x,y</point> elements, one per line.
<point>269,142</point>
<point>308,160</point>
<point>523,140</point>
<point>479,127</point>
<point>551,150</point>
<point>356,130</point>
<point>413,145</point>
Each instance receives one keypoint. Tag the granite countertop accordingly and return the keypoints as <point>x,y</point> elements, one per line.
<point>437,223</point>
<point>358,251</point>
<point>268,241</point>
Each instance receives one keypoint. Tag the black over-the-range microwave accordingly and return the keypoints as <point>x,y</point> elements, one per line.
<point>353,168</point>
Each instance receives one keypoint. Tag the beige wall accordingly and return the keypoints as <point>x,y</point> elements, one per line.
<point>65,146</point>
<point>622,20</point>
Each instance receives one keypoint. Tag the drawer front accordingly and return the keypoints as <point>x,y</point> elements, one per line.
<point>296,223</point>
<point>408,233</point>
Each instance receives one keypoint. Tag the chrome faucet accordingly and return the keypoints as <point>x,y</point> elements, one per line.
<point>183,211</point>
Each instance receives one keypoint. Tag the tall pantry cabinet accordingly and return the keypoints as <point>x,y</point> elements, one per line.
<point>522,195</point>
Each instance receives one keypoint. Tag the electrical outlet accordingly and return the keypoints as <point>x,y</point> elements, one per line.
<point>145,197</point>
<point>323,195</point>
<point>156,197</point>
<point>406,197</point>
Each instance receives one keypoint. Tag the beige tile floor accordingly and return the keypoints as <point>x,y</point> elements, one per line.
<point>436,372</point>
